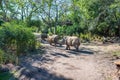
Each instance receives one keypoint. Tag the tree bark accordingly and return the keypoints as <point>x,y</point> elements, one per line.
<point>56,18</point>
<point>119,30</point>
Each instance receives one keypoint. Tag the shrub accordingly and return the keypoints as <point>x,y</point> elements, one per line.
<point>90,37</point>
<point>85,37</point>
<point>16,37</point>
<point>8,57</point>
<point>1,56</point>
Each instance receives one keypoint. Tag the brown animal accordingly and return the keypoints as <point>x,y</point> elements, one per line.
<point>53,39</point>
<point>72,41</point>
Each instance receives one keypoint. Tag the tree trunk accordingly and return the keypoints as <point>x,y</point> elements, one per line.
<point>119,30</point>
<point>49,21</point>
<point>56,18</point>
<point>22,14</point>
<point>55,28</point>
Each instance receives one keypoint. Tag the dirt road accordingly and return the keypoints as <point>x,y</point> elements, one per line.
<point>92,62</point>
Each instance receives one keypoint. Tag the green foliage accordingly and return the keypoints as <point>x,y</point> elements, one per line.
<point>116,53</point>
<point>87,37</point>
<point>60,30</point>
<point>5,76</point>
<point>16,37</point>
<point>1,22</point>
<point>1,57</point>
<point>38,45</point>
<point>34,24</point>
<point>8,57</point>
<point>69,30</point>
<point>101,17</point>
<point>34,29</point>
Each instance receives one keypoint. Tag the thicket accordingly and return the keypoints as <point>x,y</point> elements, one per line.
<point>15,39</point>
<point>6,57</point>
<point>18,37</point>
<point>68,17</point>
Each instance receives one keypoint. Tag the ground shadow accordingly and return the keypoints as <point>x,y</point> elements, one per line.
<point>59,54</point>
<point>5,74</point>
<point>57,45</point>
<point>31,72</point>
<point>35,58</point>
<point>81,51</point>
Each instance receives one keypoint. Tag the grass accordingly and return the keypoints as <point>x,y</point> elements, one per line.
<point>116,53</point>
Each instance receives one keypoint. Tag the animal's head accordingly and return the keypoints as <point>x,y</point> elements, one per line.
<point>63,39</point>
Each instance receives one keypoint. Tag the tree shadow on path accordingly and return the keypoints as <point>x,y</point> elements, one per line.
<point>81,51</point>
<point>39,73</point>
<point>60,54</point>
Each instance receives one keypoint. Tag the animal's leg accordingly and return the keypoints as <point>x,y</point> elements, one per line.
<point>76,47</point>
<point>60,45</point>
<point>55,45</point>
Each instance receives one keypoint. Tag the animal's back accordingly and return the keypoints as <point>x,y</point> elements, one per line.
<point>69,41</point>
<point>75,40</point>
<point>53,39</point>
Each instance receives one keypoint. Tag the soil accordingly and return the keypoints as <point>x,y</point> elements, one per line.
<point>91,62</point>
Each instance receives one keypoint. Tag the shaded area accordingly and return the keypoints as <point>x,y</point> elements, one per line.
<point>45,75</point>
<point>5,74</point>
<point>31,72</point>
<point>81,51</point>
<point>31,69</point>
<point>59,54</point>
<point>27,60</point>
<point>40,50</point>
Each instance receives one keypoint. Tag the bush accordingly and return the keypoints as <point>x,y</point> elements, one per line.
<point>8,57</point>
<point>1,56</point>
<point>86,37</point>
<point>60,30</point>
<point>90,37</point>
<point>69,30</point>
<point>16,37</point>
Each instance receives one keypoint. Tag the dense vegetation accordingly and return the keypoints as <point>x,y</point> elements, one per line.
<point>15,40</point>
<point>70,17</point>
<point>16,36</point>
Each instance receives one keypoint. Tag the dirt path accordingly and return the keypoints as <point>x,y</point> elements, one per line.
<point>92,62</point>
<point>77,66</point>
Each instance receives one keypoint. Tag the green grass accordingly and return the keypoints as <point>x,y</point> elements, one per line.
<point>116,53</point>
